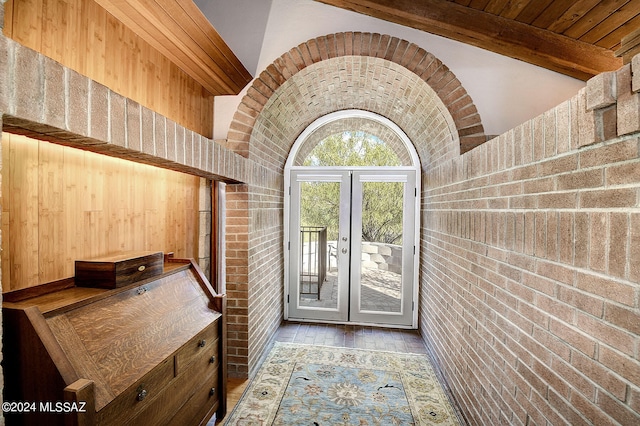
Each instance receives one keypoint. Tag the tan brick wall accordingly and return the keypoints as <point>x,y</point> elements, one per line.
<point>254,267</point>
<point>530,272</point>
<point>237,268</point>
<point>374,84</point>
<point>374,72</point>
<point>205,218</point>
<point>529,281</point>
<point>38,96</point>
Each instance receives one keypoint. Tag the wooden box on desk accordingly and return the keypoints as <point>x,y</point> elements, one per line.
<point>118,270</point>
<point>149,353</point>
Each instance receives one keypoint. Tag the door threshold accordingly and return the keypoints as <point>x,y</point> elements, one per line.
<point>365,324</point>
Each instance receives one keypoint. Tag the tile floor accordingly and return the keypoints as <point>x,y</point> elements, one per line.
<point>339,335</point>
<point>352,336</point>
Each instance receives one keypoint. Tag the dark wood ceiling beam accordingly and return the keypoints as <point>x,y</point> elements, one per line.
<point>178,30</point>
<point>494,33</point>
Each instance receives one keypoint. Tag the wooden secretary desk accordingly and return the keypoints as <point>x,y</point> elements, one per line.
<point>145,349</point>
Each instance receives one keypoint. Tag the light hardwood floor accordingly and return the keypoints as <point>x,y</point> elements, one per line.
<point>235,388</point>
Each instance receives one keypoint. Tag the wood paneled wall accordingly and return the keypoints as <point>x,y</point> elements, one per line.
<point>61,204</point>
<point>83,36</point>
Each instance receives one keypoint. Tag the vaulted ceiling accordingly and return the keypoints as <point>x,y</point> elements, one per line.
<point>579,38</point>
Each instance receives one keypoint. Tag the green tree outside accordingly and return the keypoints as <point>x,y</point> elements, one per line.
<point>382,201</point>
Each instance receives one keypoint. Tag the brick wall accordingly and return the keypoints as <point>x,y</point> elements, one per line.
<point>266,262</point>
<point>237,270</point>
<point>529,276</point>
<point>205,218</point>
<point>530,266</point>
<point>271,127</point>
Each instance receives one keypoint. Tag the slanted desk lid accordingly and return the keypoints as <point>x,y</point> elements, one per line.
<point>117,340</point>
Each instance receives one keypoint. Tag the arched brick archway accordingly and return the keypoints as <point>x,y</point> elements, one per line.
<point>380,74</point>
<point>429,69</point>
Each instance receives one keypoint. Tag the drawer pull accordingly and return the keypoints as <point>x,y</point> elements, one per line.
<point>201,343</point>
<point>212,359</point>
<point>142,394</point>
<point>141,268</point>
<point>212,392</point>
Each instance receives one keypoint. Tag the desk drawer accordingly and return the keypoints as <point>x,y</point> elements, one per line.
<point>139,395</point>
<point>205,400</point>
<point>203,345</point>
<point>184,394</point>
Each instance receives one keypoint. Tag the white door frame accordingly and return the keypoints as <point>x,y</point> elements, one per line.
<point>289,167</point>
<point>294,308</point>
<point>358,313</point>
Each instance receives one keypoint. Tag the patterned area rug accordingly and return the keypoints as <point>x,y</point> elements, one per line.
<point>321,385</point>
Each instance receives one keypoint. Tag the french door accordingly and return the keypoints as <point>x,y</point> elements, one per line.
<point>352,246</point>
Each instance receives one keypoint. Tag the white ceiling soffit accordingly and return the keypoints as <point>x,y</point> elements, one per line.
<point>242,25</point>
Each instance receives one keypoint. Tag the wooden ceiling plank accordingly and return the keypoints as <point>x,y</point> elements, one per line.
<point>620,33</point>
<point>613,23</point>
<point>478,4</point>
<point>462,2</point>
<point>629,43</point>
<point>204,34</point>
<point>628,55</point>
<point>137,18</point>
<point>189,42</point>
<point>630,46</point>
<point>190,35</point>
<point>632,37</point>
<point>500,35</point>
<point>552,13</point>
<point>160,30</point>
<point>202,22</point>
<point>572,15</point>
<point>532,10</point>
<point>514,8</point>
<point>495,7</point>
<point>597,15</point>
<point>132,19</point>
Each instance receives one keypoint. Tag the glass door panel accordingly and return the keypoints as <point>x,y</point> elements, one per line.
<point>381,256</point>
<point>381,246</point>
<point>351,246</point>
<point>319,219</point>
